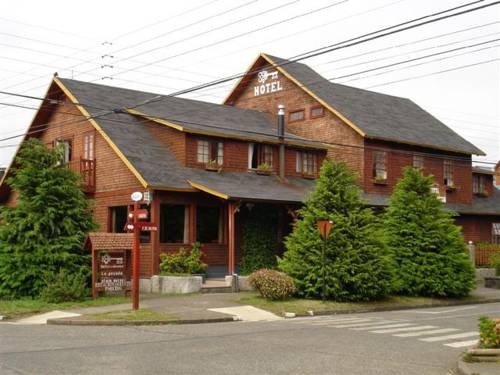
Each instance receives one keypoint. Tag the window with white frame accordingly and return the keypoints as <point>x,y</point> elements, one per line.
<point>495,238</point>
<point>448,173</point>
<point>418,162</point>
<point>65,146</point>
<point>306,162</point>
<point>210,152</point>
<point>380,165</point>
<point>259,154</point>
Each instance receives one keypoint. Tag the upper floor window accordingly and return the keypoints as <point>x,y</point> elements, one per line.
<point>259,154</point>
<point>448,173</point>
<point>418,162</point>
<point>380,165</point>
<point>495,238</point>
<point>317,111</point>
<point>65,145</point>
<point>306,162</point>
<point>210,151</point>
<point>297,115</point>
<point>88,146</point>
<point>478,184</point>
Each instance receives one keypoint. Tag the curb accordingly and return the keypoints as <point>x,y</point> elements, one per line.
<point>83,322</point>
<point>396,308</point>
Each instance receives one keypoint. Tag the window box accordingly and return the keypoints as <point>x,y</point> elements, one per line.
<point>213,166</point>
<point>451,187</point>
<point>263,169</point>
<point>482,194</point>
<point>380,181</point>
<point>309,176</point>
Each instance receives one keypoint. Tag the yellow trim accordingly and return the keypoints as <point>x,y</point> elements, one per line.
<point>208,190</point>
<point>84,112</point>
<point>222,135</point>
<point>166,188</point>
<point>323,103</point>
<point>241,78</point>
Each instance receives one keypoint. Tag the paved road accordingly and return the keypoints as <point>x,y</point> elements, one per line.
<point>419,342</point>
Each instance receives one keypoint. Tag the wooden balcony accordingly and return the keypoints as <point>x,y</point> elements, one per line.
<point>86,168</point>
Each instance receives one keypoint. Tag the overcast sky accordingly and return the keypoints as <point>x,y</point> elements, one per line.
<point>165,46</point>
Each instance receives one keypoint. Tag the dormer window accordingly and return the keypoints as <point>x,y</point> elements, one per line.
<point>259,154</point>
<point>306,163</point>
<point>298,115</point>
<point>210,152</point>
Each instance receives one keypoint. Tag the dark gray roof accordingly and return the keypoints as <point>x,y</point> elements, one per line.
<point>480,205</point>
<point>160,168</point>
<point>380,116</point>
<point>192,115</point>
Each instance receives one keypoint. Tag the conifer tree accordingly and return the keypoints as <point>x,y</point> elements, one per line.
<point>427,247</point>
<point>357,267</point>
<point>44,232</point>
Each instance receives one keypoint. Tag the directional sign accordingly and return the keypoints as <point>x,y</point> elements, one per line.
<point>144,226</point>
<point>141,213</point>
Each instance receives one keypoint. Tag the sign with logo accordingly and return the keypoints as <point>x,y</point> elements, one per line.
<point>113,271</point>
<point>268,83</point>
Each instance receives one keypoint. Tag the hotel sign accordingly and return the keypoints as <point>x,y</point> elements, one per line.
<point>113,271</point>
<point>268,83</point>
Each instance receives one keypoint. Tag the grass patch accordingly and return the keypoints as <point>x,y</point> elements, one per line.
<point>18,308</point>
<point>141,314</point>
<point>302,306</point>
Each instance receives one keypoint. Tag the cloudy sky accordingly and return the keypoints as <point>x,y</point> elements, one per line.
<point>165,46</point>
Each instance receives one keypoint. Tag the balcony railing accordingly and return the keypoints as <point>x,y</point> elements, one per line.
<point>86,168</point>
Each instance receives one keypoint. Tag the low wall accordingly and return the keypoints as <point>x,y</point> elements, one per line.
<point>481,273</point>
<point>171,284</point>
<point>243,284</point>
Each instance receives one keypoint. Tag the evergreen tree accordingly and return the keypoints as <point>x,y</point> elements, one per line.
<point>44,233</point>
<point>357,268</point>
<point>427,247</point>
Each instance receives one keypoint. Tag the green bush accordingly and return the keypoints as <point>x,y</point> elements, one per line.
<point>426,245</point>
<point>356,266</point>
<point>259,240</point>
<point>182,262</point>
<point>273,285</point>
<point>65,287</point>
<point>495,262</point>
<point>489,331</point>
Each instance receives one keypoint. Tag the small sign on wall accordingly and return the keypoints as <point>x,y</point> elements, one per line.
<point>269,82</point>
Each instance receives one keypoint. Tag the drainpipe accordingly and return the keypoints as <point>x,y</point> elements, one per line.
<point>281,137</point>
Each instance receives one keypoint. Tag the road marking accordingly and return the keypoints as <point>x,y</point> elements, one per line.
<point>432,332</point>
<point>383,326</point>
<point>354,325</point>
<point>450,337</point>
<point>461,344</point>
<point>393,330</point>
<point>443,311</point>
<point>341,322</point>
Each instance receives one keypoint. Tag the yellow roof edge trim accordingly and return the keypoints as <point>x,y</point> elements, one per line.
<point>167,188</point>
<point>321,101</point>
<point>84,112</point>
<point>224,135</point>
<point>208,190</point>
<point>241,78</point>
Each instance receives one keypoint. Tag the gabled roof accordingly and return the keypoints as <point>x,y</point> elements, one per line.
<point>372,114</point>
<point>109,241</point>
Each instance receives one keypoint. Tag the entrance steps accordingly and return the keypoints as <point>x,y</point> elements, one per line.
<point>214,285</point>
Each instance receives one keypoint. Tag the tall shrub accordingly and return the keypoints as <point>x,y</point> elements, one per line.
<point>427,247</point>
<point>44,233</point>
<point>356,267</point>
<point>259,242</point>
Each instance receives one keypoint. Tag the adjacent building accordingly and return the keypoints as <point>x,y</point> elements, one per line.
<point>207,166</point>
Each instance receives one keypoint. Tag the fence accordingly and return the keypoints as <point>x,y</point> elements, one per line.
<point>484,252</point>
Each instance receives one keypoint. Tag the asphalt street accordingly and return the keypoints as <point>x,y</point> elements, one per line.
<point>422,341</point>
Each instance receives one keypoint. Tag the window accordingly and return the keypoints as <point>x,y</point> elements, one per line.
<point>208,224</point>
<point>306,162</point>
<point>88,146</point>
<point>174,223</point>
<point>65,145</point>
<point>478,182</point>
<point>117,219</point>
<point>259,154</point>
<point>380,165</point>
<point>418,162</point>
<point>297,115</point>
<point>317,111</point>
<point>210,151</point>
<point>448,173</point>
<point>495,233</point>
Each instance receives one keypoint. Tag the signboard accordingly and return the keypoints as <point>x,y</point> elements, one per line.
<point>141,214</point>
<point>143,226</point>
<point>113,271</point>
<point>268,82</point>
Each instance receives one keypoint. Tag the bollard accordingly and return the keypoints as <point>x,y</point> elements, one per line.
<point>472,253</point>
<point>235,287</point>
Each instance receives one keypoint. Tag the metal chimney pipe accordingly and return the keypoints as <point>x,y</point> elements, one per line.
<point>281,137</point>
